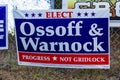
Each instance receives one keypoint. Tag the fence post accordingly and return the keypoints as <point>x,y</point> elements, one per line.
<point>57,4</point>
<point>52,4</point>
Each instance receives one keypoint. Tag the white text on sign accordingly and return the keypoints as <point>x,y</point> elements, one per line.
<point>1,28</point>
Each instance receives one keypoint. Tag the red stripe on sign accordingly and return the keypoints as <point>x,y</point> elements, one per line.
<point>81,59</point>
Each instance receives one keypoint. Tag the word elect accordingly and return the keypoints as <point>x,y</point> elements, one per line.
<point>72,30</point>
<point>59,14</point>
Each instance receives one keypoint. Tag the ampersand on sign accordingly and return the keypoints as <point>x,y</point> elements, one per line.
<point>94,31</point>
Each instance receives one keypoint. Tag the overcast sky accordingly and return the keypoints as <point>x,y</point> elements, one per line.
<point>23,5</point>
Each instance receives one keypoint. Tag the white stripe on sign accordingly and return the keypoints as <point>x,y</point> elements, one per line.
<point>1,21</point>
<point>1,36</point>
<point>1,30</point>
<point>1,26</point>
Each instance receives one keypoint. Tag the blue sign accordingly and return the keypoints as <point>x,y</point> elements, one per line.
<point>3,27</point>
<point>63,35</point>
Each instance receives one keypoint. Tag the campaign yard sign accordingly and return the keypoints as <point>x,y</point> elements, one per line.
<point>63,38</point>
<point>3,27</point>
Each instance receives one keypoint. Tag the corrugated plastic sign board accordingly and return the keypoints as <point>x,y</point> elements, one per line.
<point>3,27</point>
<point>63,38</point>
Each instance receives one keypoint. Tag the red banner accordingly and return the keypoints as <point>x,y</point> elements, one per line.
<point>84,59</point>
